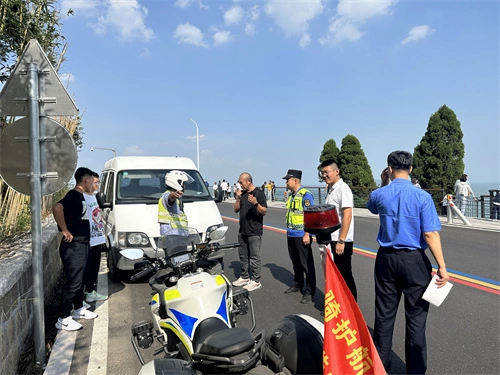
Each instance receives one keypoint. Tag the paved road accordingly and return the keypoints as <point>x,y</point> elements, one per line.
<point>463,333</point>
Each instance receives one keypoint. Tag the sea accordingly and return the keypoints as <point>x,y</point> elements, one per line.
<point>481,188</point>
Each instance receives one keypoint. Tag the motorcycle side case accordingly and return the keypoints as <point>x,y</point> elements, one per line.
<point>297,345</point>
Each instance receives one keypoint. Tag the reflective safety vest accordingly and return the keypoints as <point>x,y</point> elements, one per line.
<point>295,211</point>
<point>165,216</point>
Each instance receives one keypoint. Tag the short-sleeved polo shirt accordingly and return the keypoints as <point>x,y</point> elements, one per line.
<point>406,213</point>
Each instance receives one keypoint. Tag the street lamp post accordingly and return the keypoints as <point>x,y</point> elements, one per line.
<point>104,148</point>
<point>197,143</point>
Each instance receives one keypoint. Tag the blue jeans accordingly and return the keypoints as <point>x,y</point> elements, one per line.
<point>249,252</point>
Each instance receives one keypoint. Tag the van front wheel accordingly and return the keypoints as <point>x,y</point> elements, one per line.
<point>113,271</point>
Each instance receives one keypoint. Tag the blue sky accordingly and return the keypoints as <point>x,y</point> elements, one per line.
<point>269,82</point>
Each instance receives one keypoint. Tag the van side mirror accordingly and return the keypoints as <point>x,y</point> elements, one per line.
<point>101,201</point>
<point>219,196</point>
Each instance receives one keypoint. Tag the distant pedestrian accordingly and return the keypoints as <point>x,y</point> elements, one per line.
<point>415,183</point>
<point>269,190</point>
<point>496,206</point>
<point>299,241</point>
<point>251,204</point>
<point>273,192</point>
<point>463,193</point>
<point>215,187</point>
<point>408,225</point>
<point>224,185</point>
<point>70,214</point>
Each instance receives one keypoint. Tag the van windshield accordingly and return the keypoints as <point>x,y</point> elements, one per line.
<point>148,185</point>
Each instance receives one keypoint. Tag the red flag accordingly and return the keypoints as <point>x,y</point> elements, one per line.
<point>348,346</point>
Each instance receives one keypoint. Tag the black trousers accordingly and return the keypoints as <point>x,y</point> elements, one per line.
<point>303,264</point>
<point>399,272</point>
<point>91,272</point>
<point>74,258</point>
<point>344,264</point>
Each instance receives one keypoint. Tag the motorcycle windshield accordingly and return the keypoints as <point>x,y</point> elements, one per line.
<point>178,241</point>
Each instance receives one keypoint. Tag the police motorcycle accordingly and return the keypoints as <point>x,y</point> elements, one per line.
<point>194,307</point>
<point>195,316</point>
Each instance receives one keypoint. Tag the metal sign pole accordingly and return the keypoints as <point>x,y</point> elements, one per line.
<point>36,216</point>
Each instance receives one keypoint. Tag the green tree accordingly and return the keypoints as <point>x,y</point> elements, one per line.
<point>438,160</point>
<point>330,151</point>
<point>23,20</point>
<point>354,167</point>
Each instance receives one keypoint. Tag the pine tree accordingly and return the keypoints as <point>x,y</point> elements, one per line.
<point>354,167</point>
<point>438,160</point>
<point>330,151</point>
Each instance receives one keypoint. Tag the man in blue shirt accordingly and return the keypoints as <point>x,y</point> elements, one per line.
<point>408,225</point>
<point>299,241</point>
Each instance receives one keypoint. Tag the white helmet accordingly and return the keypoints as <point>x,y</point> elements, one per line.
<point>175,179</point>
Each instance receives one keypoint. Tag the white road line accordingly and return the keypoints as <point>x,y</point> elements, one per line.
<point>98,359</point>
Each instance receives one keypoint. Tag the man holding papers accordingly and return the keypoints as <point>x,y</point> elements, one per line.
<point>408,225</point>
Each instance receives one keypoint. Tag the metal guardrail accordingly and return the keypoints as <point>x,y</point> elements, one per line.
<point>483,207</point>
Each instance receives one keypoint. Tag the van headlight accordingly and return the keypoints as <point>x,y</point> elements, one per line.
<point>132,239</point>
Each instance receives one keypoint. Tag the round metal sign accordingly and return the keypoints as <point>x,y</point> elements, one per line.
<point>58,156</point>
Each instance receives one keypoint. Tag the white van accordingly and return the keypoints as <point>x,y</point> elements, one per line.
<point>132,186</point>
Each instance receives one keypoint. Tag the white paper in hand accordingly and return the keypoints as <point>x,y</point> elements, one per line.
<point>434,295</point>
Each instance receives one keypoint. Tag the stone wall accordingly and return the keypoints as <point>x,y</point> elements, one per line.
<point>16,292</point>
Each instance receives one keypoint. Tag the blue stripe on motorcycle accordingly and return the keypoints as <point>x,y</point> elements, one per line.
<point>222,310</point>
<point>185,321</point>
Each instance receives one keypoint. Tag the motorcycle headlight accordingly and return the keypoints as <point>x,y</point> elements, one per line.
<point>133,239</point>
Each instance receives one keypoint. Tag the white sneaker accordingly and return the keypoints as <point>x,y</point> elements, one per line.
<point>86,305</point>
<point>94,296</point>
<point>83,313</point>
<point>241,281</point>
<point>253,285</point>
<point>68,324</point>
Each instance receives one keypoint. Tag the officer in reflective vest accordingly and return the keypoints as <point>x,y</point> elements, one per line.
<point>171,217</point>
<point>299,242</point>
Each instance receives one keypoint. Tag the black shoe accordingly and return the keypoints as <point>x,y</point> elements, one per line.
<point>293,289</point>
<point>306,298</point>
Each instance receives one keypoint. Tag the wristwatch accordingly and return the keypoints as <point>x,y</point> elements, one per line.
<point>341,241</point>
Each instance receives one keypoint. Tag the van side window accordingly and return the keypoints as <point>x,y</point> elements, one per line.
<point>110,188</point>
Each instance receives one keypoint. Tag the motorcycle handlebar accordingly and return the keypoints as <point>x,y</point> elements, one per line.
<point>227,246</point>
<point>144,272</point>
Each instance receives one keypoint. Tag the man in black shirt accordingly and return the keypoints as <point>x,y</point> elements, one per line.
<point>70,214</point>
<point>251,203</point>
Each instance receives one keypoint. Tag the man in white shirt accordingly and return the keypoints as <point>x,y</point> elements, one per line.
<point>339,194</point>
<point>224,185</point>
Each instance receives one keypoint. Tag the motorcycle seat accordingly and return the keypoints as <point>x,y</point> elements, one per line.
<point>228,342</point>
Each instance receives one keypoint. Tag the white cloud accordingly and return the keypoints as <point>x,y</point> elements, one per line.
<point>293,17</point>
<point>193,137</point>
<point>233,15</point>
<point>351,15</point>
<point>249,29</point>
<point>145,52</point>
<point>183,3</point>
<point>127,18</point>
<point>305,40</point>
<point>417,33</point>
<point>254,13</point>
<point>67,78</point>
<point>222,37</point>
<point>189,34</point>
<point>187,3</point>
<point>133,151</point>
